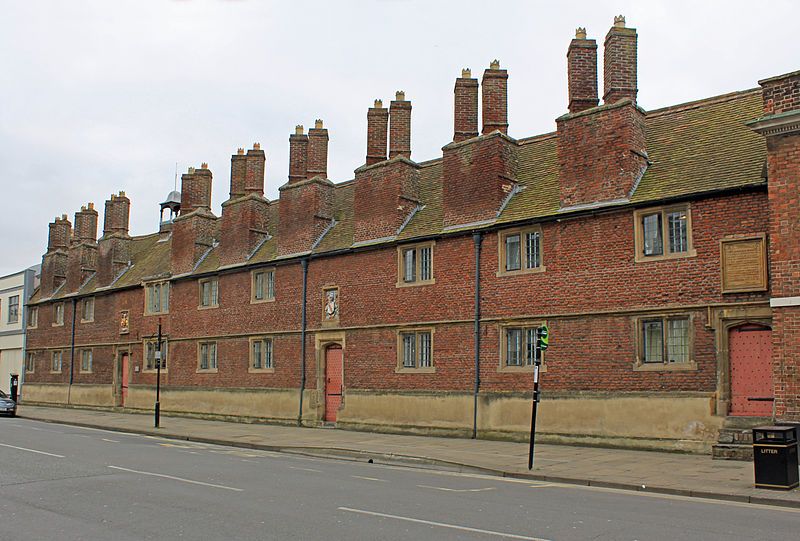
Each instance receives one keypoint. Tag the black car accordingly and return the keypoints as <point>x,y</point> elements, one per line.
<point>7,406</point>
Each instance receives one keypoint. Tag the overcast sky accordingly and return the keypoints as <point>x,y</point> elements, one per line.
<point>97,97</point>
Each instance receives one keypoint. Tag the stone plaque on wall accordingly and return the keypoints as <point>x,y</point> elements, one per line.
<point>744,263</point>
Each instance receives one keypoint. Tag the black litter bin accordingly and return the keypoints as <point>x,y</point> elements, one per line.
<point>775,457</point>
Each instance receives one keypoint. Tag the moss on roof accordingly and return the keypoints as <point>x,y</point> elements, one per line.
<point>694,148</point>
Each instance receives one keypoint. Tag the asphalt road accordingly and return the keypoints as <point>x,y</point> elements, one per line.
<point>62,482</point>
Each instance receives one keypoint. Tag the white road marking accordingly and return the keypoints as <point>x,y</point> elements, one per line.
<point>443,525</point>
<point>108,440</point>
<point>31,450</point>
<point>543,485</point>
<point>305,469</point>
<point>177,478</point>
<point>457,489</point>
<point>368,478</point>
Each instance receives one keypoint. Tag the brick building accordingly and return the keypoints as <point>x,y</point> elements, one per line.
<point>660,247</point>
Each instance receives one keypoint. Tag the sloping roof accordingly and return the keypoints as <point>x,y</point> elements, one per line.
<point>694,148</point>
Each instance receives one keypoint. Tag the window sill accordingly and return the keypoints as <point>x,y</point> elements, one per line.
<point>156,313</point>
<point>416,283</point>
<point>87,320</point>
<point>665,367</point>
<point>209,307</point>
<point>406,370</point>
<point>52,372</point>
<point>521,271</point>
<point>84,371</point>
<point>153,371</point>
<point>261,301</point>
<point>252,370</point>
<point>56,324</point>
<point>207,370</point>
<point>668,257</point>
<point>521,369</point>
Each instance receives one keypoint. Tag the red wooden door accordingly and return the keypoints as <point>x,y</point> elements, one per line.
<point>333,382</point>
<point>750,350</point>
<point>124,378</point>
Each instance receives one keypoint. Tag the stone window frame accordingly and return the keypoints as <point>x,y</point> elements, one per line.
<point>213,293</point>
<point>13,315</point>
<point>60,353</point>
<point>164,350</point>
<point>58,315</point>
<point>91,360</point>
<point>663,210</point>
<point>84,304</point>
<point>502,256</point>
<point>208,370</point>
<point>265,271</point>
<point>264,369</point>
<point>401,250</point>
<point>639,365</point>
<point>29,366</point>
<point>416,331</point>
<point>524,325</point>
<point>33,317</point>
<point>163,297</point>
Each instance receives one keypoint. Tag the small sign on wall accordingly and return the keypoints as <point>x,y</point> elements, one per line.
<point>124,322</point>
<point>744,263</point>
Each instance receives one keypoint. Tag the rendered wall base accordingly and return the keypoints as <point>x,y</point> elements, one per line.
<point>276,405</point>
<point>675,423</point>
<point>78,395</point>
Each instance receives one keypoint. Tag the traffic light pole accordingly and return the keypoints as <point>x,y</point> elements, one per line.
<point>534,407</point>
<point>542,341</point>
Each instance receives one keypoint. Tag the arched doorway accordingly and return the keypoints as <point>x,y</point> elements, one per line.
<point>333,381</point>
<point>750,353</point>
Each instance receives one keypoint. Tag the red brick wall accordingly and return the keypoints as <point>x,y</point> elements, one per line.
<point>384,196</point>
<point>582,74</point>
<point>377,130</point>
<point>620,65</point>
<point>476,179</point>
<point>244,225</point>
<point>298,156</point>
<point>305,210</point>
<point>600,154</point>
<point>494,89</point>
<point>400,127</point>
<point>317,151</point>
<point>238,173</point>
<point>465,117</point>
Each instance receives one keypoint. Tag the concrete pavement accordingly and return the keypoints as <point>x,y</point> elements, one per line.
<point>670,473</point>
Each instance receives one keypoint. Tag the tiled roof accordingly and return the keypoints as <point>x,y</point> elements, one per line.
<point>693,148</point>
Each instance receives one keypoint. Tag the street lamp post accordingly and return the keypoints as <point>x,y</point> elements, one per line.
<point>158,376</point>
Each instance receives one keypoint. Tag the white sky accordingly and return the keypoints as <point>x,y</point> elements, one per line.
<point>97,97</point>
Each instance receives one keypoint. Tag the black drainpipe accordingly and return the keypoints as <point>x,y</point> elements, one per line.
<point>72,351</point>
<point>304,265</point>
<point>477,238</point>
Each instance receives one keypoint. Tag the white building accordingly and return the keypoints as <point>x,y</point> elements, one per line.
<point>15,290</point>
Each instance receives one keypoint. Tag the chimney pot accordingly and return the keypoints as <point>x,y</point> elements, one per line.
<point>619,21</point>
<point>580,33</point>
<point>318,124</point>
<point>91,206</point>
<point>121,193</point>
<point>204,165</point>
<point>400,95</point>
<point>83,208</point>
<point>298,130</point>
<point>495,64</point>
<point>240,151</point>
<point>256,146</point>
<point>63,216</point>
<point>191,172</point>
<point>466,73</point>
<point>378,104</point>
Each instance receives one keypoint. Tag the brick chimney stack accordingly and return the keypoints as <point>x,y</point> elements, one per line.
<point>377,132</point>
<point>60,234</point>
<point>114,247</point>
<point>254,175</point>
<point>495,99</point>
<point>619,63</point>
<point>400,126</point>
<point>298,155</point>
<point>86,224</point>
<point>238,173</point>
<point>318,151</point>
<point>196,190</point>
<point>582,72</point>
<point>466,107</point>
<point>117,215</point>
